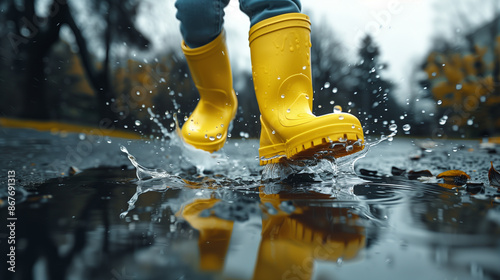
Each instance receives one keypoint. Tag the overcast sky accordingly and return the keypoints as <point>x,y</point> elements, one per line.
<point>403,29</point>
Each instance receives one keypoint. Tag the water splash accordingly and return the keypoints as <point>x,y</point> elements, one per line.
<point>150,179</point>
<point>144,173</point>
<point>199,158</point>
<point>323,168</point>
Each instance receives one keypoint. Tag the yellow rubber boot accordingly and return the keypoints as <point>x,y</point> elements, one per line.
<point>280,51</point>
<point>206,128</point>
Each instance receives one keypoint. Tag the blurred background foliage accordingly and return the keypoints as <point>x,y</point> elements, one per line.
<point>43,76</point>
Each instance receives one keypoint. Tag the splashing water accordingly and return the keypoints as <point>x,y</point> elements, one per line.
<point>324,167</point>
<point>320,167</point>
<point>199,158</point>
<point>144,173</point>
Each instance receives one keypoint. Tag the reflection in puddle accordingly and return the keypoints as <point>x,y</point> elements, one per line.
<point>292,237</point>
<point>296,225</point>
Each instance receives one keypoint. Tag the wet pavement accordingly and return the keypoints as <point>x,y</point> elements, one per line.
<point>85,215</point>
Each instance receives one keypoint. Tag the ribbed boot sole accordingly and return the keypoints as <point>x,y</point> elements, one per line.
<point>324,147</point>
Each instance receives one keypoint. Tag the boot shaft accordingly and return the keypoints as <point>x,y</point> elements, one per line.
<point>280,51</point>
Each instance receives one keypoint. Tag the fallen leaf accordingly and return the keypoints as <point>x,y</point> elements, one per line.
<point>367,172</point>
<point>494,176</point>
<point>474,188</point>
<point>413,175</point>
<point>397,172</point>
<point>73,170</point>
<point>455,177</point>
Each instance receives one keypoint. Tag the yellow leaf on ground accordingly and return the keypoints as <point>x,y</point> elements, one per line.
<point>454,177</point>
<point>453,173</point>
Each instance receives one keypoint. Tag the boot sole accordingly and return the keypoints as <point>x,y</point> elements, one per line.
<point>318,148</point>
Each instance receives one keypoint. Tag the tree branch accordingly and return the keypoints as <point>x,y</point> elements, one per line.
<point>82,45</point>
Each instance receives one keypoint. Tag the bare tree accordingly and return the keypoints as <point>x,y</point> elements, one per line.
<point>31,37</point>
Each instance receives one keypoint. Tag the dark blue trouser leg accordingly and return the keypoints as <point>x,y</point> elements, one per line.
<point>202,20</point>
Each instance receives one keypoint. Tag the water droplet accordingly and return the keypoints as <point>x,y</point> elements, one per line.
<point>443,120</point>
<point>123,149</point>
<point>138,92</point>
<point>307,96</point>
<point>353,126</point>
<point>81,136</point>
<point>288,110</point>
<point>137,123</point>
<point>470,122</point>
<point>282,96</point>
<point>109,141</point>
<point>221,125</point>
<point>337,109</point>
<point>458,87</point>
<point>393,127</point>
<point>341,117</point>
<point>206,136</point>
<point>186,118</point>
<point>334,90</point>
<point>406,127</point>
<point>273,132</point>
<point>327,85</point>
<point>219,136</point>
<point>211,138</point>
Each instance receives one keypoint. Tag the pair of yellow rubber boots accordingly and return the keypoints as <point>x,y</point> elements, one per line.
<point>280,53</point>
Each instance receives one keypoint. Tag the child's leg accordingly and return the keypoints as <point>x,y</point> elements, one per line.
<point>258,10</point>
<point>201,20</point>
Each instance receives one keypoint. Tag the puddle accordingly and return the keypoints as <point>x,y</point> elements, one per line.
<point>231,219</point>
